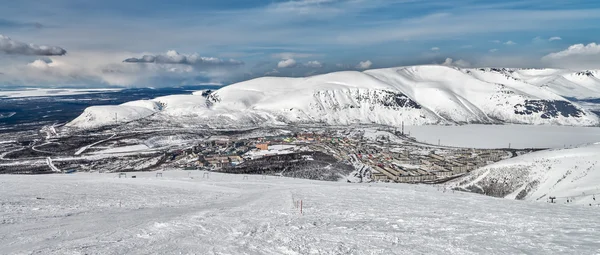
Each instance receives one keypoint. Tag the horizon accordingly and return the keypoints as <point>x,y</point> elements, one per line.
<point>216,84</point>
<point>115,43</point>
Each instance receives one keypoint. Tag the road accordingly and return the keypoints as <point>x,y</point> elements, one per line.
<point>82,149</point>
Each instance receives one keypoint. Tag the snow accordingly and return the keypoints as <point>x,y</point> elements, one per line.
<point>91,213</point>
<point>499,136</point>
<point>131,148</point>
<point>96,116</point>
<point>571,173</point>
<point>415,95</point>
<point>38,92</point>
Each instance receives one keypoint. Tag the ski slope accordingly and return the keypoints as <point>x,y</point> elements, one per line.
<point>91,213</point>
<point>568,174</point>
<point>414,95</point>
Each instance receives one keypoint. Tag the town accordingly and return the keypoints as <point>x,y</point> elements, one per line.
<point>383,155</point>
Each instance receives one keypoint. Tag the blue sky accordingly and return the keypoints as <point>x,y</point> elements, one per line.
<point>194,42</point>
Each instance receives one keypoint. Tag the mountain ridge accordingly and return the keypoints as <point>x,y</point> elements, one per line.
<point>415,95</point>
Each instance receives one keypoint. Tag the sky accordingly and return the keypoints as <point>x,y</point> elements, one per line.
<point>151,43</point>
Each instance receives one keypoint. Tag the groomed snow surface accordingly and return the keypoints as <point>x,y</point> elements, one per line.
<point>91,213</point>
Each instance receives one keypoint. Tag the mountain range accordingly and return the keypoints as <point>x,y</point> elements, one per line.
<point>413,95</point>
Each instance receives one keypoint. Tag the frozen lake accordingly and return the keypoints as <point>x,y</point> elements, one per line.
<point>499,136</point>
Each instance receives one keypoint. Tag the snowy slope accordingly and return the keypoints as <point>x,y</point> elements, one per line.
<point>95,116</point>
<point>92,213</point>
<point>415,95</point>
<point>567,83</point>
<point>572,173</point>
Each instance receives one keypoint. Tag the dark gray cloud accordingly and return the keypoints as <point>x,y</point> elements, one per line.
<point>173,57</point>
<point>10,46</point>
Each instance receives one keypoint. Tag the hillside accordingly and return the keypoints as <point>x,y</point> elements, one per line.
<point>415,95</point>
<point>187,212</point>
<point>570,173</point>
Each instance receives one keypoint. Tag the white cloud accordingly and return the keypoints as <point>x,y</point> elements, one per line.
<point>578,56</point>
<point>304,7</point>
<point>538,39</point>
<point>105,68</point>
<point>510,43</point>
<point>554,38</point>
<point>173,57</point>
<point>272,72</point>
<point>435,49</point>
<point>364,64</point>
<point>287,63</point>
<point>493,50</point>
<point>577,50</point>
<point>39,64</point>
<point>314,64</point>
<point>495,41</point>
<point>10,46</point>
<point>458,63</point>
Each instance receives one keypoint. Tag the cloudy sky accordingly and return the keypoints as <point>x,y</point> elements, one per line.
<point>183,42</point>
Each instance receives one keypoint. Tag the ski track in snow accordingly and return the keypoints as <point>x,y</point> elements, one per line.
<point>91,213</point>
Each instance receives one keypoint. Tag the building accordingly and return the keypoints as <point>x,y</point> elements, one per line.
<point>379,177</point>
<point>262,146</point>
<point>235,160</point>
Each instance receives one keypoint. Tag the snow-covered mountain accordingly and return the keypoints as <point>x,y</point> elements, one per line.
<point>415,95</point>
<point>567,83</point>
<point>566,174</point>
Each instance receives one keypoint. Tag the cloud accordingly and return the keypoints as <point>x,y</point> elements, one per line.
<point>554,38</point>
<point>578,56</point>
<point>364,64</point>
<point>493,50</point>
<point>102,68</point>
<point>10,46</point>
<point>287,63</point>
<point>435,49</point>
<point>272,72</point>
<point>495,41</point>
<point>40,64</point>
<point>173,57</point>
<point>289,55</point>
<point>510,43</point>
<point>314,64</point>
<point>458,63</point>
<point>305,7</point>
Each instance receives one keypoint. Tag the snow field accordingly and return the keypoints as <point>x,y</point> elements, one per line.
<point>91,213</point>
